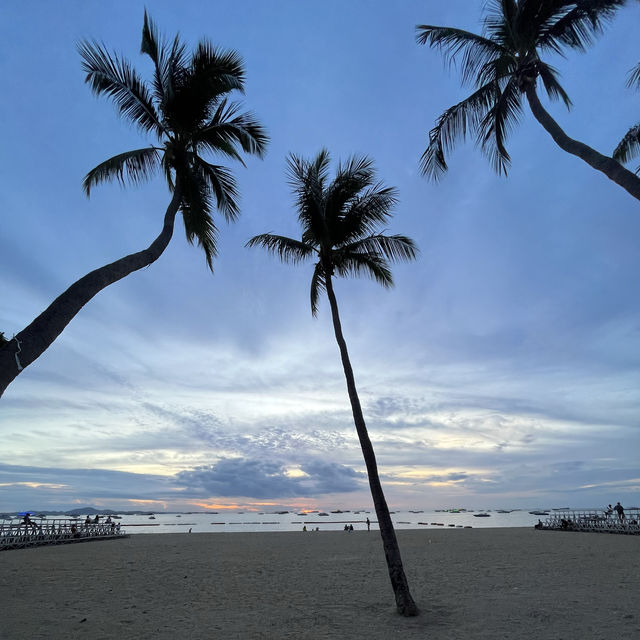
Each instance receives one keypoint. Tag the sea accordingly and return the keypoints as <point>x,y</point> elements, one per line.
<point>236,521</point>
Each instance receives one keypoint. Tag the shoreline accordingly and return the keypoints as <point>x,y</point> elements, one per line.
<point>468,583</point>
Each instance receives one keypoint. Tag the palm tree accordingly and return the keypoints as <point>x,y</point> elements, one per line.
<point>187,108</point>
<point>503,65</point>
<point>629,146</point>
<point>339,223</point>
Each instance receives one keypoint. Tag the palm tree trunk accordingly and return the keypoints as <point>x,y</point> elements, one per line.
<point>404,602</point>
<point>607,165</point>
<point>32,341</point>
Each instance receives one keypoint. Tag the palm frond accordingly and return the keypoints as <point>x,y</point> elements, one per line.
<point>307,180</point>
<point>498,121</point>
<point>196,210</point>
<point>476,51</point>
<point>169,63</point>
<point>395,248</point>
<point>629,146</point>
<point>216,71</point>
<point>500,24</point>
<point>371,265</point>
<point>228,128</point>
<point>634,77</point>
<point>453,124</point>
<point>287,249</point>
<point>351,178</point>
<point>198,87</point>
<point>133,166</point>
<point>367,213</point>
<point>222,185</point>
<point>554,90</point>
<point>110,75</point>
<point>151,40</point>
<point>318,286</point>
<point>580,25</point>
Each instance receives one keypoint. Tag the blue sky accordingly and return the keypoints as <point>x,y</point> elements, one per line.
<point>502,370</point>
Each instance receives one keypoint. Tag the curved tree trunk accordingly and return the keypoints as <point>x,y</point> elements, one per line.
<point>404,602</point>
<point>35,339</point>
<point>607,165</point>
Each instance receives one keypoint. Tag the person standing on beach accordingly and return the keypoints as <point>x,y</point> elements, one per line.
<point>620,510</point>
<point>368,524</point>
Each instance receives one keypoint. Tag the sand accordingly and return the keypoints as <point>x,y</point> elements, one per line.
<point>469,583</point>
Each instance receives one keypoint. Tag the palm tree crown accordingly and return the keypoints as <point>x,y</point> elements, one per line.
<point>629,147</point>
<point>340,222</point>
<point>504,63</point>
<point>187,109</point>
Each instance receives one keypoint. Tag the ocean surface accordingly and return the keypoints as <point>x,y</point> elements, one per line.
<point>233,521</point>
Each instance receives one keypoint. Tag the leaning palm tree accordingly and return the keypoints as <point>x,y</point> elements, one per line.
<point>339,221</point>
<point>187,109</point>
<point>629,147</point>
<point>504,65</point>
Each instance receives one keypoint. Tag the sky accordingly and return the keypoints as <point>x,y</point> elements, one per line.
<point>502,370</point>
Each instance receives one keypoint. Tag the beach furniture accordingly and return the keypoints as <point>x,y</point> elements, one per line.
<point>15,534</point>
<point>593,520</point>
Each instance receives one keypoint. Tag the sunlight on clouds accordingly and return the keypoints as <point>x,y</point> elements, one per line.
<point>34,485</point>
<point>295,472</point>
<point>149,503</point>
<point>632,484</point>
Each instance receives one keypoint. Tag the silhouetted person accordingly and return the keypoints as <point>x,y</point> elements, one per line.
<point>29,523</point>
<point>620,511</point>
<point>368,524</point>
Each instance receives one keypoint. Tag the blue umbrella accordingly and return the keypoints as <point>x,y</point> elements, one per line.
<point>26,513</point>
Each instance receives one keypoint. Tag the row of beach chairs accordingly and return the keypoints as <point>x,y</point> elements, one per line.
<point>18,534</point>
<point>596,521</point>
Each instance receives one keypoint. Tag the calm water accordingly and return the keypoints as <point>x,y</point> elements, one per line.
<point>251,521</point>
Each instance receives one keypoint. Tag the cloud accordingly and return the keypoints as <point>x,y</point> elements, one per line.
<point>262,479</point>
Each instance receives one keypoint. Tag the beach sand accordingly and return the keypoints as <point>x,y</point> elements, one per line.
<point>468,583</point>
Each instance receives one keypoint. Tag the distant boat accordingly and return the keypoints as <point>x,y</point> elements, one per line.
<point>152,517</point>
<point>481,515</point>
<point>322,513</point>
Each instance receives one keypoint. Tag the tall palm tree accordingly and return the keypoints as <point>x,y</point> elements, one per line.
<point>187,109</point>
<point>629,146</point>
<point>504,65</point>
<point>339,221</point>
